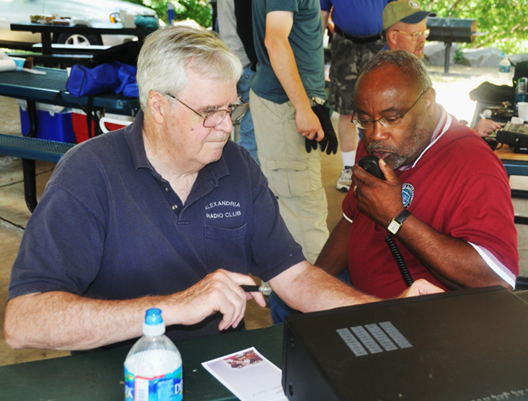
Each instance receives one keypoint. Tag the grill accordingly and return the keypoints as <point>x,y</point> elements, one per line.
<point>449,30</point>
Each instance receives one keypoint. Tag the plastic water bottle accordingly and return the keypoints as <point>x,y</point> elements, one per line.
<point>153,367</point>
<point>170,7</point>
<point>504,70</point>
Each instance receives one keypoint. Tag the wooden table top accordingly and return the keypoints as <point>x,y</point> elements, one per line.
<point>506,153</point>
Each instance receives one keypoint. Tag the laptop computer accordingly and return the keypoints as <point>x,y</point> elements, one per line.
<point>467,345</point>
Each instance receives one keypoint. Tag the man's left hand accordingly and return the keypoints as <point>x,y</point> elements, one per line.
<point>381,200</point>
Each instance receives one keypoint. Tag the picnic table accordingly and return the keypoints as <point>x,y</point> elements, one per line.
<point>49,89</point>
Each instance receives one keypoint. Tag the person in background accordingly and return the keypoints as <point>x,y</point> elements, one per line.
<point>236,29</point>
<point>172,215</point>
<point>357,37</point>
<point>405,28</point>
<point>289,81</point>
<point>445,199</point>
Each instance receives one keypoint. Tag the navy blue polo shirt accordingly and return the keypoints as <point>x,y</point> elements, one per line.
<point>108,226</point>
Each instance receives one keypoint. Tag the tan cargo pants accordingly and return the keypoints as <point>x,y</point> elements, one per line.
<point>294,175</point>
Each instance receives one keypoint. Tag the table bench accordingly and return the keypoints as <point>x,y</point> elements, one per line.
<point>29,150</point>
<point>58,48</point>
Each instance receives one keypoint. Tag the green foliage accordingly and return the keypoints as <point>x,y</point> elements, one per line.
<point>198,10</point>
<point>458,56</point>
<point>505,21</point>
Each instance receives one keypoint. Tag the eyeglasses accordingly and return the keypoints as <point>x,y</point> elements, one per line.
<point>215,117</point>
<point>415,35</point>
<point>367,123</point>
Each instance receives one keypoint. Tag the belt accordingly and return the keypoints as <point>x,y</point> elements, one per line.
<point>358,40</point>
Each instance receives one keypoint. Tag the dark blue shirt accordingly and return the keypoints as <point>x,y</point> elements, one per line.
<point>109,226</point>
<point>357,17</point>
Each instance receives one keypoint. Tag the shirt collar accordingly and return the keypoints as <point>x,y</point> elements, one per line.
<point>443,125</point>
<point>134,138</point>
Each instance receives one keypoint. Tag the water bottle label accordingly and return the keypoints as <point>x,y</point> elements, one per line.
<point>504,68</point>
<point>168,387</point>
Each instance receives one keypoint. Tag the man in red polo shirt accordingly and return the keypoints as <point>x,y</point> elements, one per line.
<point>446,197</point>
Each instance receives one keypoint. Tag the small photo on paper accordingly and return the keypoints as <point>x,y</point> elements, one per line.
<point>243,359</point>
<point>248,375</point>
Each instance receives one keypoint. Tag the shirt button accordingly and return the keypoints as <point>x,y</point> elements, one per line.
<point>167,189</point>
<point>174,207</point>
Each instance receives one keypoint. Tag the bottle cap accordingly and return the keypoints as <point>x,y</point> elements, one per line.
<point>153,325</point>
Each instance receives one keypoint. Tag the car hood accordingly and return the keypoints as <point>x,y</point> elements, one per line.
<point>95,10</point>
<point>131,8</point>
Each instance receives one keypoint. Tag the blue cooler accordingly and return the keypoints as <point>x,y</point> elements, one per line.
<point>54,122</point>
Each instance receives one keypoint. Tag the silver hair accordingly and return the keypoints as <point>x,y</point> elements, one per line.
<point>407,62</point>
<point>170,51</point>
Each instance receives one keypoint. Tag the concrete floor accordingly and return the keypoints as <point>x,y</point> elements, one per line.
<point>14,213</point>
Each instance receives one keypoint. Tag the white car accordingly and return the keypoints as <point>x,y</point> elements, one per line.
<point>94,13</point>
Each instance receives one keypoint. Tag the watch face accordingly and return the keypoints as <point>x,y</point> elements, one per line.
<point>394,227</point>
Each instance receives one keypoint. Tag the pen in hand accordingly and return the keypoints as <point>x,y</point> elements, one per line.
<point>251,288</point>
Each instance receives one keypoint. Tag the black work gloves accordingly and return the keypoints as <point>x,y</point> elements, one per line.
<point>329,142</point>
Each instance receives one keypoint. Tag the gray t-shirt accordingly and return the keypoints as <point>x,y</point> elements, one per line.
<point>227,26</point>
<point>306,40</point>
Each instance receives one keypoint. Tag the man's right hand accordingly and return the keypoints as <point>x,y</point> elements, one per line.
<point>420,287</point>
<point>308,124</point>
<point>65,321</point>
<point>282,58</point>
<point>217,292</point>
<point>329,143</point>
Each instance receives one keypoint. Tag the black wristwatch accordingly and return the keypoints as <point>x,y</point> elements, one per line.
<point>396,223</point>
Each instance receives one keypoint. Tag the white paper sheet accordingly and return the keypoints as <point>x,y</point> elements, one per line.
<point>248,375</point>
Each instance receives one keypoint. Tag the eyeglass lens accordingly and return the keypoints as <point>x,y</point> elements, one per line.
<point>239,111</point>
<point>385,121</point>
<point>216,117</point>
<point>419,34</point>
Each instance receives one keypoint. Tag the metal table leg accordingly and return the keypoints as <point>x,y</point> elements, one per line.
<point>28,165</point>
<point>520,220</point>
<point>30,183</point>
<point>447,56</point>
<point>46,46</point>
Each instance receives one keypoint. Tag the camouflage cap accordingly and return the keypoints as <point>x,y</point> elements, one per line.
<point>407,11</point>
